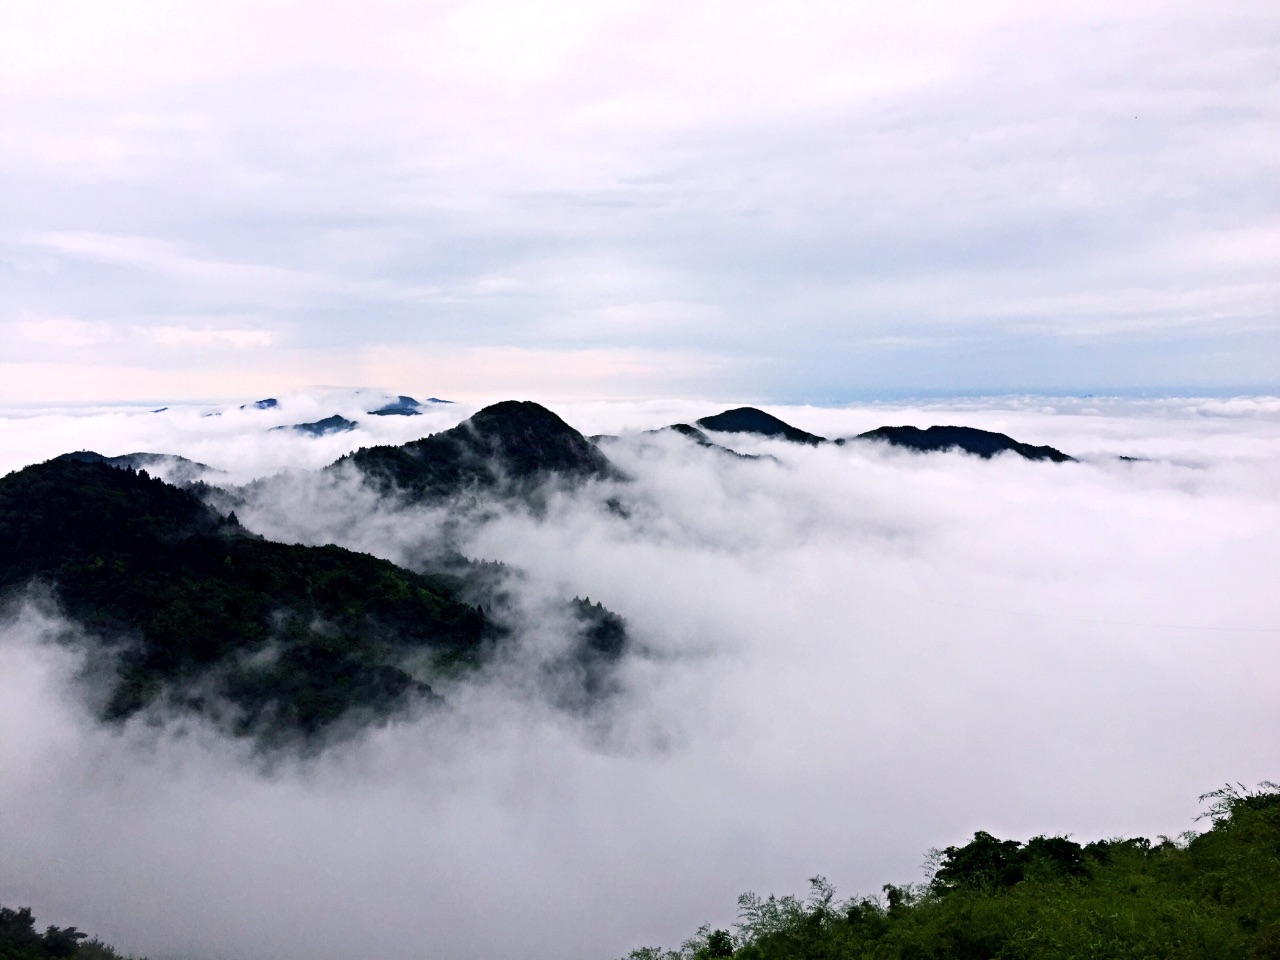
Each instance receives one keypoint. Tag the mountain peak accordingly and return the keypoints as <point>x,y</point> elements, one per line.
<point>753,421</point>
<point>514,441</point>
<point>401,406</point>
<point>322,428</point>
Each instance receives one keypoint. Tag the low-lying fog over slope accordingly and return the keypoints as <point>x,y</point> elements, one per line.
<point>845,655</point>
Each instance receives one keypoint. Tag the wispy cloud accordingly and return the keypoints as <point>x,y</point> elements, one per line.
<point>204,337</point>
<point>62,332</point>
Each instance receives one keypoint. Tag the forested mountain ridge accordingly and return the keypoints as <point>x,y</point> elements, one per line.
<point>1209,896</point>
<point>982,443</point>
<point>761,424</point>
<point>517,444</point>
<point>200,615</point>
<point>934,439</point>
<point>172,468</point>
<point>271,639</point>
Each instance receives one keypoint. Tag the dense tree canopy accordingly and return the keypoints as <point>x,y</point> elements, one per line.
<point>19,940</point>
<point>1211,896</point>
<point>198,612</point>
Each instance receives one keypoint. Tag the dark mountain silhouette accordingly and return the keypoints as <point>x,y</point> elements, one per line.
<point>514,443</point>
<point>322,428</point>
<point>266,404</point>
<point>176,470</point>
<point>983,443</point>
<point>757,422</point>
<point>402,406</point>
<point>199,615</point>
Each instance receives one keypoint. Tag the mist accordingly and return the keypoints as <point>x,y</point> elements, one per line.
<point>842,656</point>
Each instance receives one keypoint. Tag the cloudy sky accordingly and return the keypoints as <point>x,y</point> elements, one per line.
<point>801,202</point>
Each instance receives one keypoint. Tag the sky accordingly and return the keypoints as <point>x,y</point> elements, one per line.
<point>806,203</point>
<point>843,657</point>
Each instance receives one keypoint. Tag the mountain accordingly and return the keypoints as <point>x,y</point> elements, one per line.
<point>201,616</point>
<point>267,404</point>
<point>983,443</point>
<point>757,422</point>
<point>322,428</point>
<point>173,469</point>
<point>510,444</point>
<point>399,407</point>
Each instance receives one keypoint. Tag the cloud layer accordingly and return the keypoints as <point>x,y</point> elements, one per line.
<point>851,655</point>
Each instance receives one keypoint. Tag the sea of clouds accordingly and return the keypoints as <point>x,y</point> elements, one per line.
<point>844,656</point>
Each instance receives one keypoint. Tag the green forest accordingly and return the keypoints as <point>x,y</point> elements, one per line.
<point>203,615</point>
<point>20,940</point>
<point>290,645</point>
<point>1213,895</point>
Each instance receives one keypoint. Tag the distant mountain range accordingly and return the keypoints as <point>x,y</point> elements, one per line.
<point>174,469</point>
<point>322,428</point>
<point>403,406</point>
<point>197,614</point>
<point>982,443</point>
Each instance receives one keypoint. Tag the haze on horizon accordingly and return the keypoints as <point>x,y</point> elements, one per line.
<point>815,202</point>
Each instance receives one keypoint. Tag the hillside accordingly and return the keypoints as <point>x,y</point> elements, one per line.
<point>202,616</point>
<point>1212,896</point>
<point>511,445</point>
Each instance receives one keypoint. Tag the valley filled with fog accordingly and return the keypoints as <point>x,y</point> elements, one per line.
<point>841,656</point>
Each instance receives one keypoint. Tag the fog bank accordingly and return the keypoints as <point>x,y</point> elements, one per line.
<point>847,655</point>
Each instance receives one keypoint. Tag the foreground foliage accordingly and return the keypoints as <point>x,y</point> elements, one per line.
<point>1210,896</point>
<point>20,941</point>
